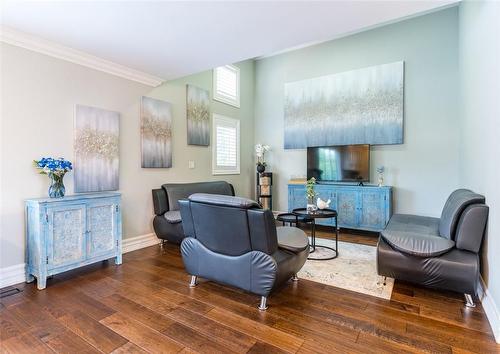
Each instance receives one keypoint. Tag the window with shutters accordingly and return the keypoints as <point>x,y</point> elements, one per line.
<point>227,85</point>
<point>226,147</point>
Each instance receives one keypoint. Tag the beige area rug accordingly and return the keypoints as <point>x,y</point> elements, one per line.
<point>354,269</point>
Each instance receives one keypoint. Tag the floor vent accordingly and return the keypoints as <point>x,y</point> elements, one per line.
<point>9,292</point>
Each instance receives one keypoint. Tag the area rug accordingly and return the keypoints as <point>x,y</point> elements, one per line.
<point>354,269</point>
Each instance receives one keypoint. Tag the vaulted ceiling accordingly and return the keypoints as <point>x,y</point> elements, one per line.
<point>174,39</point>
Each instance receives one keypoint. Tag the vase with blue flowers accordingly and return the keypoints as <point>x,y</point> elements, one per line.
<point>55,169</point>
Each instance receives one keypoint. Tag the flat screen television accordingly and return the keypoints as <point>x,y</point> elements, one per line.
<point>345,163</point>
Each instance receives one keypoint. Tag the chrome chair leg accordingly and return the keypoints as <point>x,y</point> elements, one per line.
<point>469,301</point>
<point>194,281</point>
<point>295,278</point>
<point>263,303</point>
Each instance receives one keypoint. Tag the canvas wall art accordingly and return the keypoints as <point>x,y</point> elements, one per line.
<point>156,133</point>
<point>198,116</point>
<point>96,148</point>
<point>363,106</point>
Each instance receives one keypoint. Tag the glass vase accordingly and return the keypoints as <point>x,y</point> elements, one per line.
<point>311,207</point>
<point>56,188</point>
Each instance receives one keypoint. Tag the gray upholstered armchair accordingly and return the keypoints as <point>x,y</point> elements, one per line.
<point>167,222</point>
<point>437,252</point>
<point>233,241</point>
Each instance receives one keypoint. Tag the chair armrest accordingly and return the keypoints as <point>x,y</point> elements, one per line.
<point>160,201</point>
<point>471,227</point>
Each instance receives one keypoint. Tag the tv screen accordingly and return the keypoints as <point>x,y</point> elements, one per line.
<point>346,163</point>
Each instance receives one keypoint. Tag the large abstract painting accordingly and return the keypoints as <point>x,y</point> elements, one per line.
<point>156,133</point>
<point>96,149</point>
<point>198,116</point>
<point>363,106</point>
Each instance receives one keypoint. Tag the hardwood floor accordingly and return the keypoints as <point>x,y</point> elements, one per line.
<point>145,305</point>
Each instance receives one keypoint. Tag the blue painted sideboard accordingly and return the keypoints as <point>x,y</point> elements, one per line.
<point>71,232</point>
<point>359,207</point>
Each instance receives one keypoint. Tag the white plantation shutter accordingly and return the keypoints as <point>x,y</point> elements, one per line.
<point>226,148</point>
<point>227,84</point>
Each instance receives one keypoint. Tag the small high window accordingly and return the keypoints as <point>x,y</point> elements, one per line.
<point>227,85</point>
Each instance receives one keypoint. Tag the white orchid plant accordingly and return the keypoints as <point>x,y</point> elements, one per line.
<point>260,151</point>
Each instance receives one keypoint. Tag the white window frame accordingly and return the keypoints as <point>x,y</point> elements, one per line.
<point>225,99</point>
<point>218,120</point>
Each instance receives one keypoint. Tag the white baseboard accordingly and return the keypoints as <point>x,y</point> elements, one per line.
<point>134,243</point>
<point>12,275</point>
<point>16,274</point>
<point>490,308</point>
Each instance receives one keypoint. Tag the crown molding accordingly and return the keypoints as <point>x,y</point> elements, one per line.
<point>40,45</point>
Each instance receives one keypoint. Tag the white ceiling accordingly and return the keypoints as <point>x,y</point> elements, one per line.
<point>174,39</point>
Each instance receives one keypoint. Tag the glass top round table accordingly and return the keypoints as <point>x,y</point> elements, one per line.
<point>320,214</point>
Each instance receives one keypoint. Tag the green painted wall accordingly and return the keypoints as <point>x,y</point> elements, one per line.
<point>424,170</point>
<point>479,59</point>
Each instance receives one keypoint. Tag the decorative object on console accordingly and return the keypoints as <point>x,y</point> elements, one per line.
<point>321,204</point>
<point>96,149</point>
<point>380,171</point>
<point>310,194</point>
<point>260,152</point>
<point>198,116</point>
<point>55,169</point>
<point>64,234</point>
<point>363,106</point>
<point>156,133</point>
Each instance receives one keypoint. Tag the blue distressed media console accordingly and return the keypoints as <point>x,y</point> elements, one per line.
<point>71,232</point>
<point>359,207</point>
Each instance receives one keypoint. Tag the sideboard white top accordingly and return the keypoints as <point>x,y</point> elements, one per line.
<point>74,197</point>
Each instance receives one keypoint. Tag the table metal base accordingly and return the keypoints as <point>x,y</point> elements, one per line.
<point>313,246</point>
<point>312,250</point>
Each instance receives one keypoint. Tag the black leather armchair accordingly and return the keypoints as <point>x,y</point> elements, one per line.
<point>233,241</point>
<point>437,252</point>
<point>167,222</point>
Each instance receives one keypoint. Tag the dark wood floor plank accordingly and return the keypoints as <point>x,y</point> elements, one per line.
<point>138,312</point>
<point>467,341</point>
<point>141,335</point>
<point>24,344</point>
<point>264,348</point>
<point>129,348</point>
<point>374,344</point>
<point>237,341</point>
<point>11,325</point>
<point>68,342</point>
<point>92,331</point>
<point>257,330</point>
<point>193,339</point>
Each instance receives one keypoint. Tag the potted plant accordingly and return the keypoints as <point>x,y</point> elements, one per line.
<point>310,194</point>
<point>260,151</point>
<point>55,169</point>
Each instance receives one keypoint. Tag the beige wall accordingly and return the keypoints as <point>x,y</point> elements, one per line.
<point>39,94</point>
